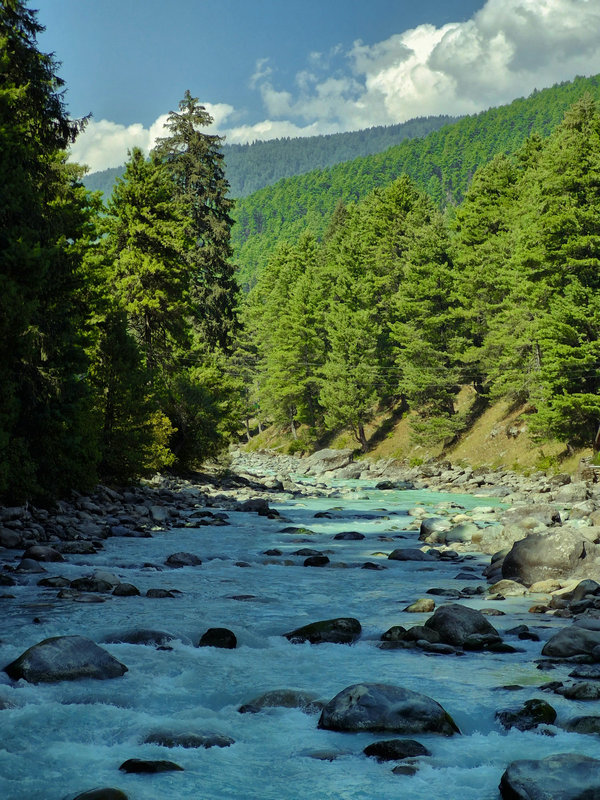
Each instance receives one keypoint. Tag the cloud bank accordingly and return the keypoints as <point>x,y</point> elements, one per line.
<point>507,49</point>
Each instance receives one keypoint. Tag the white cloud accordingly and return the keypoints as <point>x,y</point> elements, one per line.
<point>507,49</point>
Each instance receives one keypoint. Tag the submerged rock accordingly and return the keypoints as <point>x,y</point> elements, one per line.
<point>183,560</point>
<point>411,554</point>
<point>382,707</point>
<point>218,637</point>
<point>283,698</point>
<point>565,776</point>
<point>141,765</point>
<point>65,658</point>
<point>146,636</point>
<point>395,749</point>
<point>533,713</point>
<point>189,739</point>
<point>341,630</point>
<point>99,794</point>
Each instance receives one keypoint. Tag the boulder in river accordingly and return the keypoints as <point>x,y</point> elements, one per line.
<point>382,707</point>
<point>149,766</point>
<point>218,637</point>
<point>189,739</point>
<point>341,630</point>
<point>65,658</point>
<point>539,556</point>
<point>327,460</point>
<point>411,554</point>
<point>147,636</point>
<point>395,749</point>
<point>283,698</point>
<point>564,776</point>
<point>103,793</point>
<point>183,560</point>
<point>571,641</point>
<point>533,713</point>
<point>455,623</point>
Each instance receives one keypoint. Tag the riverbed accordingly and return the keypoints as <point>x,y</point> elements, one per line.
<point>60,739</point>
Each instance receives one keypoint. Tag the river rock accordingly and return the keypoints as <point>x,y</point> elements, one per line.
<point>327,460</point>
<point>432,525</point>
<point>218,637</point>
<point>126,590</point>
<point>65,658</point>
<point>107,793</point>
<point>189,739</point>
<point>40,552</point>
<point>316,561</point>
<point>341,630</point>
<point>533,713</point>
<point>571,641</point>
<point>395,749</point>
<point>423,604</point>
<point>90,585</point>
<point>145,636</point>
<point>381,707</point>
<point>564,776</point>
<point>140,765</point>
<point>283,698</point>
<point>586,724</point>
<point>540,556</point>
<point>411,554</point>
<point>348,536</point>
<point>183,560</point>
<point>454,623</point>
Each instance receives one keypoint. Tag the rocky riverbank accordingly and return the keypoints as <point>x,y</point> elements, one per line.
<point>541,535</point>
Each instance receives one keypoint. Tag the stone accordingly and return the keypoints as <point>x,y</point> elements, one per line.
<point>584,690</point>
<point>183,560</point>
<point>432,525</point>
<point>283,698</point>
<point>541,556</point>
<point>507,588</point>
<point>585,724</point>
<point>571,641</point>
<point>327,460</point>
<point>533,713</point>
<point>349,536</point>
<point>564,776</point>
<point>464,532</point>
<point>395,749</point>
<point>65,658</point>
<point>382,707</point>
<point>55,582</point>
<point>340,630</point>
<point>90,585</point>
<point>145,636</point>
<point>454,623</point>
<point>410,554</point>
<point>316,561</point>
<point>140,765</point>
<point>40,552</point>
<point>126,590</point>
<point>159,593</point>
<point>107,793</point>
<point>189,739</point>
<point>218,637</point>
<point>423,604</point>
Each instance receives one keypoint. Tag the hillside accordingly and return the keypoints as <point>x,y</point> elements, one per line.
<point>441,164</point>
<point>250,167</point>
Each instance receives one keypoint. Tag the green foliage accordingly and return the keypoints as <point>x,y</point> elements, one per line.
<point>442,164</point>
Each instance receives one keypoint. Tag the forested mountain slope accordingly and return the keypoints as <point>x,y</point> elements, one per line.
<point>442,164</point>
<point>249,167</point>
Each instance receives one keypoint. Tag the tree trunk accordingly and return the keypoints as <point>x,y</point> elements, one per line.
<point>293,425</point>
<point>362,438</point>
<point>248,436</point>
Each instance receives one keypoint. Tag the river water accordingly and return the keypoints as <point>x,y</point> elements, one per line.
<point>68,737</point>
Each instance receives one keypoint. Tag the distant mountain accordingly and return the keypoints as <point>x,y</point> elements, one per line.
<point>442,163</point>
<point>250,167</point>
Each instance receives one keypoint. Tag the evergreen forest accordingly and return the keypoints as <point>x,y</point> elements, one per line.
<point>251,166</point>
<point>467,258</point>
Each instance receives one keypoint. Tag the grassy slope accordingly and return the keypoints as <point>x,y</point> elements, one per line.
<point>498,438</point>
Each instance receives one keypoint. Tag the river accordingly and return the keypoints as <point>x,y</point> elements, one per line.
<point>60,739</point>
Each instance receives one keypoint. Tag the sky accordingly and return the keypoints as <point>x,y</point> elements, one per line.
<point>272,68</point>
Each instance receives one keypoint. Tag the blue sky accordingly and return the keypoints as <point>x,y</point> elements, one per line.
<point>268,68</point>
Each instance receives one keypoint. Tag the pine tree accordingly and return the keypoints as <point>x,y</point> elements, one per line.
<point>194,162</point>
<point>46,433</point>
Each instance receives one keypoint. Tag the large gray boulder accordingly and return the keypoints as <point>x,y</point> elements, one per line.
<point>571,641</point>
<point>283,698</point>
<point>381,707</point>
<point>327,460</point>
<point>565,776</point>
<point>65,658</point>
<point>455,623</point>
<point>541,556</point>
